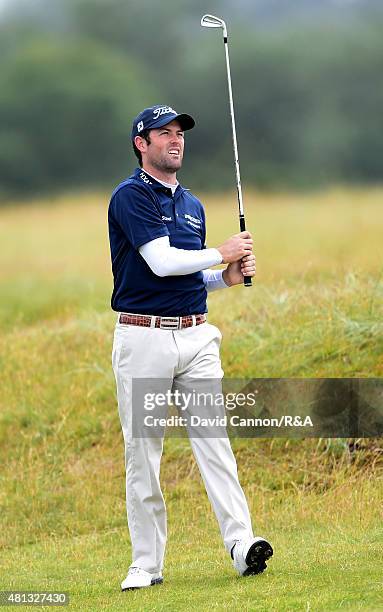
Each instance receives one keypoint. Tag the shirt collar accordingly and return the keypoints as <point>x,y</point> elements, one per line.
<point>172,186</point>
<point>154,183</point>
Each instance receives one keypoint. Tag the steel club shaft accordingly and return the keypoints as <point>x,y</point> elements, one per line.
<point>210,21</point>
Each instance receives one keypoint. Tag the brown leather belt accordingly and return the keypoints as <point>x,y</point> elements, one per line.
<point>126,318</point>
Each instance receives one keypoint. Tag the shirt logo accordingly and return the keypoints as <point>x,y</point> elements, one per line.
<point>145,179</point>
<point>166,218</point>
<point>140,126</point>
<point>163,110</point>
<point>193,219</point>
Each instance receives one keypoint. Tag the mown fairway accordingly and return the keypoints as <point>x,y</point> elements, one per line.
<point>314,311</point>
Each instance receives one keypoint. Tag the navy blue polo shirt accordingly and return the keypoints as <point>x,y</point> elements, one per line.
<point>142,209</point>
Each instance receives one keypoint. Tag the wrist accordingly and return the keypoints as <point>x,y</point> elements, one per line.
<point>222,255</point>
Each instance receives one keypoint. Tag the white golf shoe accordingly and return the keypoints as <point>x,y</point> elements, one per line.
<point>137,579</point>
<point>250,556</point>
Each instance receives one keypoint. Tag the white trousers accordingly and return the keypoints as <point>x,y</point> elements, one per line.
<point>142,352</point>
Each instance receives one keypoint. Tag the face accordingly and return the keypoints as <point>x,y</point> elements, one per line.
<point>166,148</point>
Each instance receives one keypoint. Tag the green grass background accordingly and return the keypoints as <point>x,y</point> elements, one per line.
<point>315,310</point>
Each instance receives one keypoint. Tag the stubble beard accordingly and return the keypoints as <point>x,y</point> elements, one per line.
<point>165,165</point>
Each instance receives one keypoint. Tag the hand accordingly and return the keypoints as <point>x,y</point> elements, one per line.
<point>234,273</point>
<point>236,247</point>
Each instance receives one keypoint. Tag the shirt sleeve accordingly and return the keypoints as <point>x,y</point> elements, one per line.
<point>213,280</point>
<point>138,215</point>
<point>165,260</point>
<point>203,227</point>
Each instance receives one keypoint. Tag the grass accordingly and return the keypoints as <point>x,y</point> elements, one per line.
<point>322,514</point>
<point>314,311</point>
<point>317,567</point>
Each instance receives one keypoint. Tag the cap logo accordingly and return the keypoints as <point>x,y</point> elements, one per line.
<point>140,126</point>
<point>163,110</point>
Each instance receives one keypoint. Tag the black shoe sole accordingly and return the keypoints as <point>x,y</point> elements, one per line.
<point>257,556</point>
<point>153,583</point>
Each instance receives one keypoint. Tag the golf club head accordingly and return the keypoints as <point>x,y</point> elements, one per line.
<point>210,21</point>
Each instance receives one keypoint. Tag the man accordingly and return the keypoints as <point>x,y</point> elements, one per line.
<point>162,274</point>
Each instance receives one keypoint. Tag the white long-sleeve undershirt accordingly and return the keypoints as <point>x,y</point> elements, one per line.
<point>213,280</point>
<point>165,260</point>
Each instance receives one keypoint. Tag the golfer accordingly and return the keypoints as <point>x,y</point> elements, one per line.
<point>162,275</point>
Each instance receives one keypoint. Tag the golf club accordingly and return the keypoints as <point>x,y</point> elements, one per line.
<point>209,21</point>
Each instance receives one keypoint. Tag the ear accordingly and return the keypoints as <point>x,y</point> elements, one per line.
<point>140,143</point>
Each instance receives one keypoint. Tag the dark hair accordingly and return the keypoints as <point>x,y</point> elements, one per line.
<point>144,134</point>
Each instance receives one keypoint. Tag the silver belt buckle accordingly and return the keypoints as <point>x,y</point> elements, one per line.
<point>169,322</point>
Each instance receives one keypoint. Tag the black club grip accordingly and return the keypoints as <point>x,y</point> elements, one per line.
<point>242,225</point>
